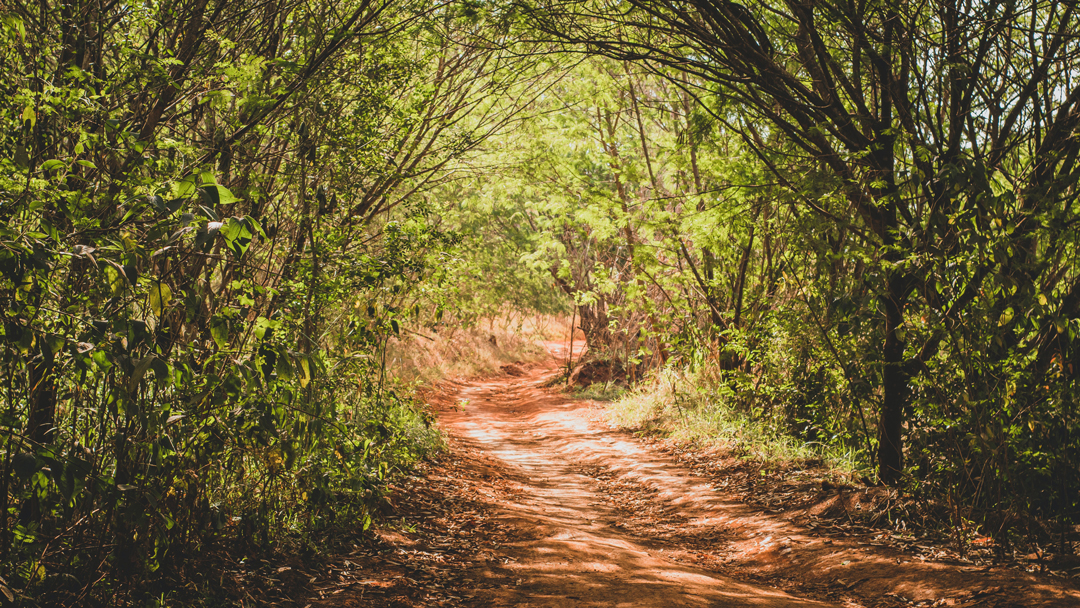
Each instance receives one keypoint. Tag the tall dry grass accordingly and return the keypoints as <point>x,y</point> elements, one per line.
<point>428,356</point>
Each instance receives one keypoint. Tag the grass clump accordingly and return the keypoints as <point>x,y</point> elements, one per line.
<point>691,407</point>
<point>602,391</point>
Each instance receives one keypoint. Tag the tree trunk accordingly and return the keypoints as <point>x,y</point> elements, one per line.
<point>890,454</point>
<point>41,420</point>
<point>740,280</point>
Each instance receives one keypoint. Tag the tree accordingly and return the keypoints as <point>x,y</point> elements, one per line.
<point>947,127</point>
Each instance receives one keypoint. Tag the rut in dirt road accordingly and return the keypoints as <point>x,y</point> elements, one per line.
<point>578,553</point>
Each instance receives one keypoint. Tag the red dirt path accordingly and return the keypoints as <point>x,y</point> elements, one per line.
<point>539,504</point>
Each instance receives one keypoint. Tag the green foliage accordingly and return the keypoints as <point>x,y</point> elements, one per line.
<point>695,408</point>
<point>212,223</point>
<point>491,275</point>
<point>911,305</point>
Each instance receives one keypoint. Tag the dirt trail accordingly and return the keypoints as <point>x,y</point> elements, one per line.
<point>574,549</point>
<point>539,504</point>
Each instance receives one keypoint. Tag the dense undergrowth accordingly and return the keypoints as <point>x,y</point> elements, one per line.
<point>214,217</point>
<point>709,414</point>
<point>690,407</point>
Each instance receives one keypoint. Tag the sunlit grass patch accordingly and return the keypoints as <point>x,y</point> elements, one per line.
<point>480,350</point>
<point>602,391</point>
<point>686,408</point>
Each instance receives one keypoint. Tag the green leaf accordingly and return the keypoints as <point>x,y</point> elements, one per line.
<point>160,296</point>
<point>101,360</point>
<point>140,370</point>
<point>219,331</point>
<point>237,235</point>
<point>161,370</point>
<point>184,188</point>
<point>225,196</point>
<point>232,228</point>
<point>157,203</point>
<point>214,193</point>
<point>16,24</point>
<point>262,324</point>
<point>116,279</point>
<point>305,370</point>
<point>255,226</point>
<point>284,366</point>
<point>50,165</point>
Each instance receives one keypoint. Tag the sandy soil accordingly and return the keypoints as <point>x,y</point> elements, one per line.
<point>540,504</point>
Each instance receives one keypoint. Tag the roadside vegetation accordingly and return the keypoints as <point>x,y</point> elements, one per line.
<point>690,409</point>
